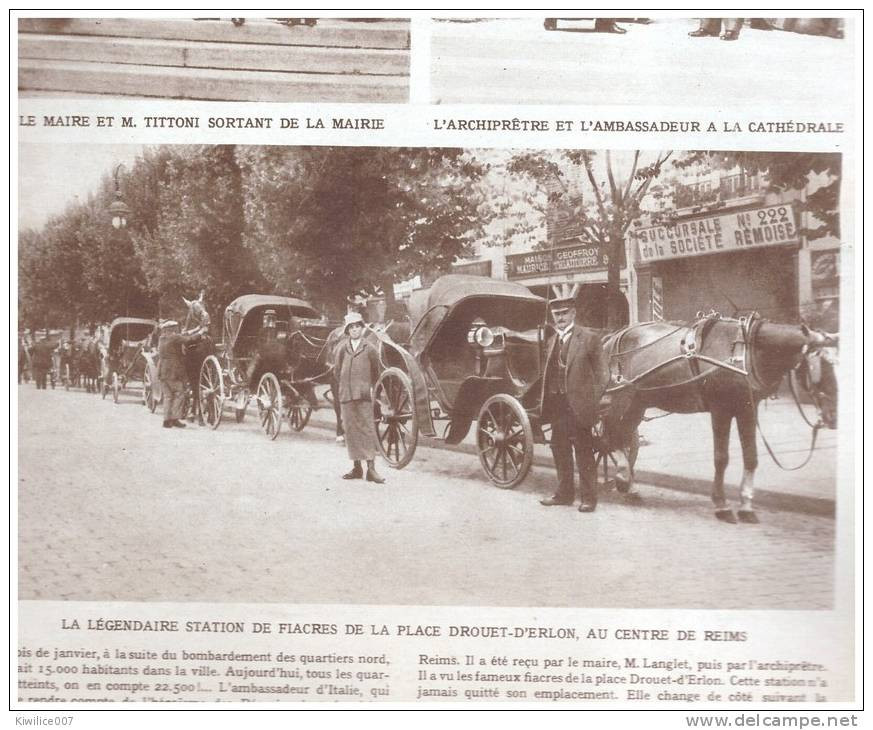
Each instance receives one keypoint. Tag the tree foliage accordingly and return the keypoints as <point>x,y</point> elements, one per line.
<point>326,221</point>
<point>819,172</point>
<point>605,208</point>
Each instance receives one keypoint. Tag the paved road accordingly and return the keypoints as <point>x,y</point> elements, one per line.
<point>113,507</point>
<point>516,61</point>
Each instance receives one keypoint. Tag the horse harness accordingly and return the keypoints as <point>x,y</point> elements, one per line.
<point>740,361</point>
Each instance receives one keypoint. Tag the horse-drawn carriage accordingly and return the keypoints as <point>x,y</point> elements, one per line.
<point>476,353</point>
<point>123,360</point>
<point>271,351</point>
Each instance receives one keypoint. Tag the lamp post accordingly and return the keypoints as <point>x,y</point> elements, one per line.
<point>118,210</point>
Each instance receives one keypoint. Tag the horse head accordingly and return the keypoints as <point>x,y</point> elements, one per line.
<point>816,373</point>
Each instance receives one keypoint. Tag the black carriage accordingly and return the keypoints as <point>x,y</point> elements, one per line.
<point>123,361</point>
<point>476,354</point>
<point>269,350</point>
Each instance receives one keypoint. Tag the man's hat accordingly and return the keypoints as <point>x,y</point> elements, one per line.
<point>352,318</point>
<point>169,323</point>
<point>564,298</point>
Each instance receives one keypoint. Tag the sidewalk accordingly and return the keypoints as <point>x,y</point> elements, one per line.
<point>678,455</point>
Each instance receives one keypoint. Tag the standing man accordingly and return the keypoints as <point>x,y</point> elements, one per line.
<point>41,361</point>
<point>710,27</point>
<point>358,367</point>
<point>576,377</point>
<point>171,371</point>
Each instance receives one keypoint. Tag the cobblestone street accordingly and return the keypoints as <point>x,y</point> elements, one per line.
<point>113,507</point>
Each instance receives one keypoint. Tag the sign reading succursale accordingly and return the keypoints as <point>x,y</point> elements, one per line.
<point>774,225</point>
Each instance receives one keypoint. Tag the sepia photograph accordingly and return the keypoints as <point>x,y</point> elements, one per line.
<point>728,63</point>
<point>447,359</point>
<point>361,60</point>
<point>297,374</point>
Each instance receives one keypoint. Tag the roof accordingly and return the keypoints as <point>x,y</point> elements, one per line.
<point>118,321</point>
<point>236,313</point>
<point>244,304</point>
<point>456,297</point>
<point>131,329</point>
<point>450,289</point>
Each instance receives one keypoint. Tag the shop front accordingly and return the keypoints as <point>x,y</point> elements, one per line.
<point>734,263</point>
<point>579,263</point>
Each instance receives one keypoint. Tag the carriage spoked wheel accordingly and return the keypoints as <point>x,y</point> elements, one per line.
<point>394,415</point>
<point>116,387</point>
<point>270,405</point>
<point>211,391</point>
<point>504,438</point>
<point>298,410</point>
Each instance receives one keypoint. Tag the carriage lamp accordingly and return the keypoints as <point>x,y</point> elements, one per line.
<point>118,210</point>
<point>118,213</point>
<point>480,335</point>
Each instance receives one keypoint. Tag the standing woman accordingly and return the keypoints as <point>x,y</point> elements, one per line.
<point>358,367</point>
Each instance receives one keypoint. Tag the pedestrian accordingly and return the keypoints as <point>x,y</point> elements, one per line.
<point>23,360</point>
<point>171,371</point>
<point>41,361</point>
<point>576,376</point>
<point>711,27</point>
<point>358,367</point>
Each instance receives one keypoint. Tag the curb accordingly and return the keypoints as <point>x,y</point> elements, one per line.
<point>779,501</point>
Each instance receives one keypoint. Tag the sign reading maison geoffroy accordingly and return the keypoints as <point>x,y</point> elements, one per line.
<point>579,257</point>
<point>768,226</point>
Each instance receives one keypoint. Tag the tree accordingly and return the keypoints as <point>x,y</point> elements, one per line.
<point>326,221</point>
<point>187,222</point>
<point>789,171</point>
<point>617,199</point>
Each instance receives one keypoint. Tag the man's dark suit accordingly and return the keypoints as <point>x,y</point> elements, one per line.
<point>576,377</point>
<point>172,373</point>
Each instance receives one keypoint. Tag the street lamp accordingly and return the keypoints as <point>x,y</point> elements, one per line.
<point>118,210</point>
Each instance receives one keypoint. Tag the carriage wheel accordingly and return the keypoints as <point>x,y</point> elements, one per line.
<point>505,441</point>
<point>396,421</point>
<point>116,387</point>
<point>298,411</point>
<point>211,391</point>
<point>270,405</point>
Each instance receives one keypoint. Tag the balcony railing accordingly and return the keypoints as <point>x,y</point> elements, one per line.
<point>731,187</point>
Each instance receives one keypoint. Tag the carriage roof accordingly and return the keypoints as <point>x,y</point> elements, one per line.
<point>130,328</point>
<point>455,300</point>
<point>242,314</point>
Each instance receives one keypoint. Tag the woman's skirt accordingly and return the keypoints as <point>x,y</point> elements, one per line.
<point>360,430</point>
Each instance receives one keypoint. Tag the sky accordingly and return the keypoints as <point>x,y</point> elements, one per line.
<point>51,177</point>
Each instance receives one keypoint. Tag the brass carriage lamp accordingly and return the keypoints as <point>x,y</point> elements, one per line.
<point>118,210</point>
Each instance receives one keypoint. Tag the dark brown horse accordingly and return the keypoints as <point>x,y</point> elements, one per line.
<point>721,366</point>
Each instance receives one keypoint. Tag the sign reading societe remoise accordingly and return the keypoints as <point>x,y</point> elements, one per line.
<point>773,225</point>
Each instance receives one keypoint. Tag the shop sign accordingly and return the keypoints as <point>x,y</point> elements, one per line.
<point>473,268</point>
<point>772,225</point>
<point>567,259</point>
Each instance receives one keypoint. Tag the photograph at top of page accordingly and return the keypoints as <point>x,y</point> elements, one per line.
<point>730,63</point>
<point>363,60</point>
